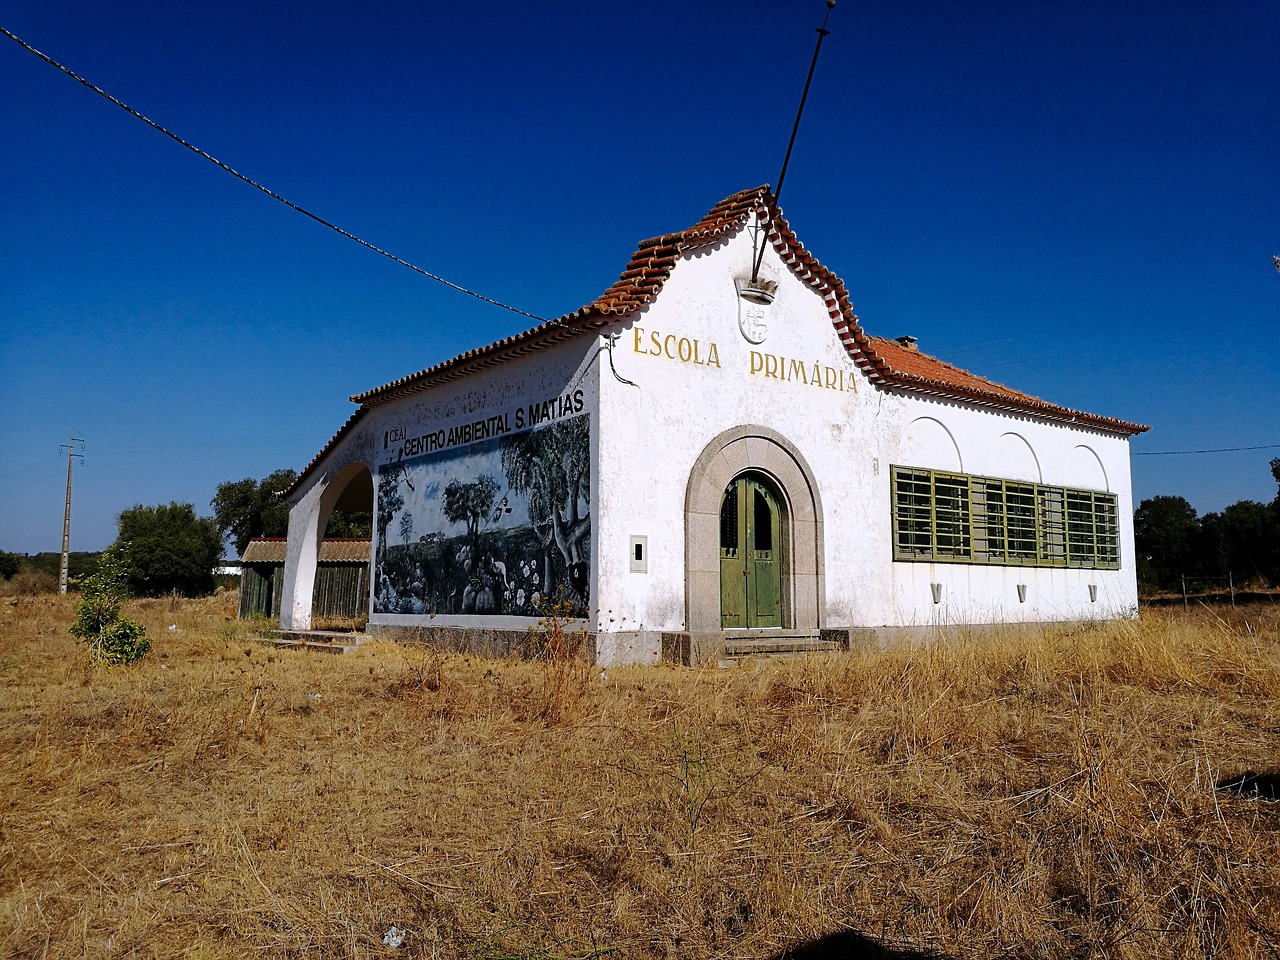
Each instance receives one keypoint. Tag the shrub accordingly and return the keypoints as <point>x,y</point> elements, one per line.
<point>560,646</point>
<point>112,639</point>
<point>29,583</point>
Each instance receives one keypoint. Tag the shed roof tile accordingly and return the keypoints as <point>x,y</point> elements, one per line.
<point>337,550</point>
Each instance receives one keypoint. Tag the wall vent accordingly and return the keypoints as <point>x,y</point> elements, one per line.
<point>639,554</point>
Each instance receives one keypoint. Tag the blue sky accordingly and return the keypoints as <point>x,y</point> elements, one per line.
<point>1079,200</point>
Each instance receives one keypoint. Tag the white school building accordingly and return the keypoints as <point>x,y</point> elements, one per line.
<point>699,460</point>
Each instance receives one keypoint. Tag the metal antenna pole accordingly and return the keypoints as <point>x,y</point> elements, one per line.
<point>823,33</point>
<point>66,515</point>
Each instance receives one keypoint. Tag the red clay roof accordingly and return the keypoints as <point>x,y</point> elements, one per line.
<point>639,283</point>
<point>915,370</point>
<point>885,362</point>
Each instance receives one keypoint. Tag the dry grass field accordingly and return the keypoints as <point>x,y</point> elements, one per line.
<point>1051,796</point>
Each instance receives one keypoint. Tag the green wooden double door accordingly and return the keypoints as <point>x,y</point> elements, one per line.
<point>750,554</point>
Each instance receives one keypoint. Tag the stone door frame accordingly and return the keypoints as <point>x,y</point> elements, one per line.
<point>735,451</point>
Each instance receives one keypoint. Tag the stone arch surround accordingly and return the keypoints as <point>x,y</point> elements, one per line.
<point>763,450</point>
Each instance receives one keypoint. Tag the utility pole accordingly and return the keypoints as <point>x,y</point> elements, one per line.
<point>66,516</point>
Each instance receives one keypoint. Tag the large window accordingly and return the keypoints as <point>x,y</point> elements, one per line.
<point>957,518</point>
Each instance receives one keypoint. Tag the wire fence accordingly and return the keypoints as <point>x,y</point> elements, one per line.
<point>1229,580</point>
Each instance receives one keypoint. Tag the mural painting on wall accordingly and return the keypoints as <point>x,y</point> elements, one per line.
<point>494,528</point>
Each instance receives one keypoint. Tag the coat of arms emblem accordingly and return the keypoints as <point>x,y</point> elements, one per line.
<point>754,297</point>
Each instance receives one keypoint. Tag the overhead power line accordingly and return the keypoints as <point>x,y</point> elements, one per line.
<point>257,186</point>
<point>823,33</point>
<point>1181,453</point>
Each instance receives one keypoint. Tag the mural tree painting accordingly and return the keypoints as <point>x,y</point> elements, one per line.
<point>552,465</point>
<point>390,500</point>
<point>468,503</point>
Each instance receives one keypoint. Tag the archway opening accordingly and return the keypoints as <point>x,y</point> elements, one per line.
<point>352,514</point>
<point>751,546</point>
<point>340,588</point>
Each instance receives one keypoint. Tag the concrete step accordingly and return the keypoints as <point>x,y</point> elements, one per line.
<point>780,645</point>
<point>315,641</point>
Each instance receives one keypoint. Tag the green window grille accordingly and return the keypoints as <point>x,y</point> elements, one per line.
<point>1020,523</point>
<point>1092,531</point>
<point>952,517</point>
<point>990,539</point>
<point>1053,526</point>
<point>1106,531</point>
<point>913,514</point>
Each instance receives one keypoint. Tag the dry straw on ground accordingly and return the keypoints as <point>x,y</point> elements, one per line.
<point>988,796</point>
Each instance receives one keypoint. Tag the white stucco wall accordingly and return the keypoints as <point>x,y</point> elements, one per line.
<point>697,364</point>
<point>996,444</point>
<point>650,436</point>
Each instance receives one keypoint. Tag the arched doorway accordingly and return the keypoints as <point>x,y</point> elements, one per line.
<point>751,542</point>
<point>769,473</point>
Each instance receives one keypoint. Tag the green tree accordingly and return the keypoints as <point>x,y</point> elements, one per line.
<point>1210,552</point>
<point>112,639</point>
<point>1165,530</point>
<point>167,548</point>
<point>349,523</point>
<point>248,508</point>
<point>1251,541</point>
<point>10,563</point>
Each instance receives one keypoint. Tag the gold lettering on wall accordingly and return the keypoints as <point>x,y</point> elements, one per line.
<point>813,374</point>
<point>699,353</point>
<point>654,343</point>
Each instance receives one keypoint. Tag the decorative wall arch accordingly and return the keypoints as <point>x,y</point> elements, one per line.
<point>928,443</point>
<point>733,452</point>
<point>1016,459</point>
<point>1085,469</point>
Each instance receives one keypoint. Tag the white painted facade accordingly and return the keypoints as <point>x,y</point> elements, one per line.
<point>682,394</point>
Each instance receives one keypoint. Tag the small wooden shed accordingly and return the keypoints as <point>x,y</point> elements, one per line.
<point>342,578</point>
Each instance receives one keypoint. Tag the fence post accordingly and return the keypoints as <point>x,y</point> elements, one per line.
<point>1231,586</point>
<point>1184,589</point>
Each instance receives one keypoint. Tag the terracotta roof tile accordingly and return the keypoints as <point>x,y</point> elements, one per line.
<point>911,369</point>
<point>885,362</point>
